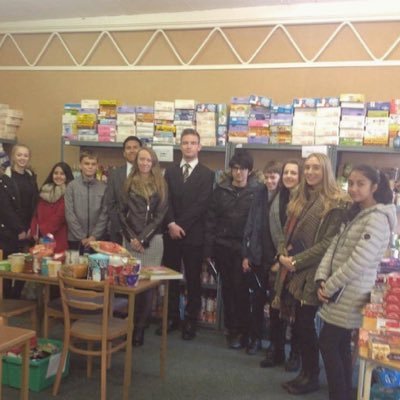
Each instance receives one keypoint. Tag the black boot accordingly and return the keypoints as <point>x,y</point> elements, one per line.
<point>302,376</point>
<point>308,385</point>
<point>138,337</point>
<point>293,363</point>
<point>273,358</point>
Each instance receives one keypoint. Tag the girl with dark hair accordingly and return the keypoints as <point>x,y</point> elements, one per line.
<point>348,271</point>
<point>49,217</point>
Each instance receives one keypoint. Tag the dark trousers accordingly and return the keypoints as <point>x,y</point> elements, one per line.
<point>12,288</point>
<point>277,328</point>
<point>235,292</point>
<point>304,330</point>
<point>335,345</point>
<point>176,253</point>
<point>257,299</point>
<point>143,307</point>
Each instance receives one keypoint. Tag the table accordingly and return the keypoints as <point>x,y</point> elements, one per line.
<point>10,337</point>
<point>367,365</point>
<point>131,293</point>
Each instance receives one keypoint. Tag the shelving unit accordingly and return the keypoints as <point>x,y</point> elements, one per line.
<point>215,157</point>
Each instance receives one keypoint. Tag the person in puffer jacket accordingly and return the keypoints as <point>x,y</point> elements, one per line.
<point>348,271</point>
<point>225,223</point>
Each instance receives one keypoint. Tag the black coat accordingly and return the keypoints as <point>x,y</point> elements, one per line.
<point>257,243</point>
<point>227,215</point>
<point>141,218</point>
<point>10,222</point>
<point>188,201</point>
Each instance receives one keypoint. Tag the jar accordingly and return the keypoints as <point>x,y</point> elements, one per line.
<point>17,261</point>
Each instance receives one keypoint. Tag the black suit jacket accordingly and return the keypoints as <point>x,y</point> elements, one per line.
<point>188,201</point>
<point>113,199</point>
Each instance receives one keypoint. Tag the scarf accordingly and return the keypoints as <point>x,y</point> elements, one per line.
<point>51,192</point>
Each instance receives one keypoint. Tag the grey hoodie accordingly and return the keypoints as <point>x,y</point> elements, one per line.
<point>351,262</point>
<point>85,209</point>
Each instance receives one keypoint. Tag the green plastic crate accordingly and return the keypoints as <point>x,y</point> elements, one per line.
<point>40,377</point>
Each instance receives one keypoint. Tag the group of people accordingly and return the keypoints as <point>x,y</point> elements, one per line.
<point>289,237</point>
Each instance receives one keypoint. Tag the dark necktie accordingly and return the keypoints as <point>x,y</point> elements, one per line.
<point>186,172</point>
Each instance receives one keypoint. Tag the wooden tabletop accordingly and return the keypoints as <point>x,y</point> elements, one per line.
<point>11,336</point>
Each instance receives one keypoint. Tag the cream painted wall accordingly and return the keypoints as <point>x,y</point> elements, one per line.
<point>41,94</point>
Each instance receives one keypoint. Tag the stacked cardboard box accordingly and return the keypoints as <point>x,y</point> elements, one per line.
<point>184,117</point>
<point>377,124</point>
<point>327,121</point>
<point>259,119</point>
<point>145,123</point>
<point>281,124</point>
<point>394,120</point>
<point>87,120</point>
<point>239,119</point>
<point>10,121</point>
<point>126,119</point>
<point>107,121</point>
<point>206,123</point>
<point>304,119</point>
<point>352,121</point>
<point>222,127</point>
<point>69,121</point>
<point>164,128</point>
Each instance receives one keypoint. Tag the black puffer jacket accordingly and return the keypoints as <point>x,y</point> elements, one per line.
<point>141,218</point>
<point>227,214</point>
<point>10,222</point>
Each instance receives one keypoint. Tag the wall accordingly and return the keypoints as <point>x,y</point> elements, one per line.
<point>42,93</point>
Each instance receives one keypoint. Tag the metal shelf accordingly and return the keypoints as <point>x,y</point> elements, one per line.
<point>81,143</point>
<point>8,141</point>
<point>368,149</point>
<point>256,146</point>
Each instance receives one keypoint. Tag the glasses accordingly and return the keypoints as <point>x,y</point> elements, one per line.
<point>237,169</point>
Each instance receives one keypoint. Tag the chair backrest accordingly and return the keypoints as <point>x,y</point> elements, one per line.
<point>85,295</point>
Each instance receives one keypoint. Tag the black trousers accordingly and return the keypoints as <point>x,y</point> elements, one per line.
<point>257,299</point>
<point>235,291</point>
<point>304,330</point>
<point>176,253</point>
<point>335,345</point>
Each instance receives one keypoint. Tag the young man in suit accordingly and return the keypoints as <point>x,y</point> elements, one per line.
<point>190,185</point>
<point>115,186</point>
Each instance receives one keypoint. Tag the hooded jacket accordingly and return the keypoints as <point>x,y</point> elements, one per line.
<point>227,213</point>
<point>351,262</point>
<point>85,209</point>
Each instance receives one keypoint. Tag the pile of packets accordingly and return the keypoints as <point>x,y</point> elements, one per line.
<point>379,337</point>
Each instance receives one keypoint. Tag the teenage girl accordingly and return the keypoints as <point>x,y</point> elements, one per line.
<point>49,217</point>
<point>348,271</point>
<point>143,209</point>
<point>314,218</point>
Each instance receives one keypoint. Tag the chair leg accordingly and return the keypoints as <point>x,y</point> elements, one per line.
<point>109,345</point>
<point>103,389</point>
<point>34,320</point>
<point>89,362</point>
<point>57,382</point>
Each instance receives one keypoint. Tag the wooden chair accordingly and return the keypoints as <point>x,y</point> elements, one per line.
<point>11,308</point>
<point>110,333</point>
<point>53,309</point>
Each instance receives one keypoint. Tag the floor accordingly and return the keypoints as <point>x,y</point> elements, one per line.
<point>200,369</point>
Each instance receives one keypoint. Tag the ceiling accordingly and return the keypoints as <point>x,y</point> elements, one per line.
<point>30,10</point>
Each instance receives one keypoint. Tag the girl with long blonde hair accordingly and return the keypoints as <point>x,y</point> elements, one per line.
<point>314,218</point>
<point>143,208</point>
